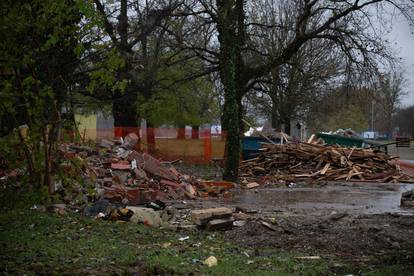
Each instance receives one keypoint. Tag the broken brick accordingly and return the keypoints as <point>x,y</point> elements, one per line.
<point>120,166</point>
<point>252,185</point>
<point>202,216</point>
<point>152,165</point>
<point>171,184</point>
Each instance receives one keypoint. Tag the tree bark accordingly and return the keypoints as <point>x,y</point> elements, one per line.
<point>125,114</point>
<point>181,132</point>
<point>227,22</point>
<point>150,137</point>
<point>286,122</point>
<point>275,117</point>
<point>195,132</point>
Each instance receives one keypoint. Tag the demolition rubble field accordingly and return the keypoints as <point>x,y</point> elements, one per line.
<point>339,211</point>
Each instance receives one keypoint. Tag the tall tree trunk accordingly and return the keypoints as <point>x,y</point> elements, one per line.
<point>242,126</point>
<point>195,132</point>
<point>181,132</point>
<point>228,40</point>
<point>286,122</point>
<point>150,137</point>
<point>48,160</point>
<point>275,118</point>
<point>125,114</point>
<point>241,80</point>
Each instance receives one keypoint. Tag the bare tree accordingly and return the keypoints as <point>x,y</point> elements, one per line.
<point>348,24</point>
<point>389,92</point>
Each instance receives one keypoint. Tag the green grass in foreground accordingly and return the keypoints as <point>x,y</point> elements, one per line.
<point>43,243</point>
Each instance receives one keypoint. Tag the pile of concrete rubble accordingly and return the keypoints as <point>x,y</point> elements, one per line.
<point>113,171</point>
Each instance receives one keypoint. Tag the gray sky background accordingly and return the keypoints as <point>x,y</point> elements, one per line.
<point>402,40</point>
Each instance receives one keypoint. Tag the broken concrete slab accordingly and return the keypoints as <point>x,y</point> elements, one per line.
<point>210,261</point>
<point>252,185</point>
<point>201,217</point>
<point>241,216</point>
<point>220,224</point>
<point>147,216</point>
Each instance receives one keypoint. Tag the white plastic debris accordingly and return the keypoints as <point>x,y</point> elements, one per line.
<point>134,164</point>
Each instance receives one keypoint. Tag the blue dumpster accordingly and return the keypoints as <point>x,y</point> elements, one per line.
<point>251,146</point>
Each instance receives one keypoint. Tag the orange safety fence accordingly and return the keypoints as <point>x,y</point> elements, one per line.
<point>201,146</point>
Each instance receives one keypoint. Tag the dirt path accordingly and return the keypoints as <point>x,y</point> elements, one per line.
<point>355,220</point>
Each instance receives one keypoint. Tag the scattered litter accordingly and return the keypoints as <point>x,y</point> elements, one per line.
<point>308,258</point>
<point>156,205</point>
<point>239,223</point>
<point>198,244</point>
<point>100,215</point>
<point>210,261</point>
<point>184,238</point>
<point>120,214</point>
<point>134,164</point>
<point>166,245</point>
<point>268,225</point>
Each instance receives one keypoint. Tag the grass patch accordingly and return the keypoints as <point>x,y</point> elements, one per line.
<point>44,243</point>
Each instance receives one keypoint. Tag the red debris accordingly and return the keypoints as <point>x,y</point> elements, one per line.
<point>121,166</point>
<point>152,165</point>
<point>220,184</point>
<point>171,184</point>
<point>139,178</point>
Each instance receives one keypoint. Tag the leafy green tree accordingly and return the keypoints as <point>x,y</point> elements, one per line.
<point>127,40</point>
<point>180,102</point>
<point>39,52</point>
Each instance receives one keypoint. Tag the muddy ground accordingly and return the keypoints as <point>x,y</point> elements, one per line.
<point>356,221</point>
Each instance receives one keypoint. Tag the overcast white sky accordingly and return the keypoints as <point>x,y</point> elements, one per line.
<point>402,40</point>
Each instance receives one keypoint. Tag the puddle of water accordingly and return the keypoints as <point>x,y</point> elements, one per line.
<point>358,198</point>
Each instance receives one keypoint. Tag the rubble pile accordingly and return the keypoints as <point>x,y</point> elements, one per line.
<point>120,174</point>
<point>299,161</point>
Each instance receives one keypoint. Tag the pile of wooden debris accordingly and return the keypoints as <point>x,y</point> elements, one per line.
<point>299,161</point>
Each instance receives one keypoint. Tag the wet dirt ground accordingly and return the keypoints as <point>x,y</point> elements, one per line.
<point>351,220</point>
<point>352,198</point>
